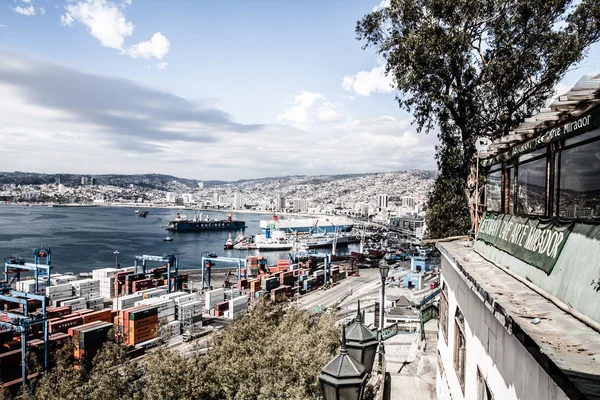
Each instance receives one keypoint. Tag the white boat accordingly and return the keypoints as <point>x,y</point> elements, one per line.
<point>168,239</point>
<point>327,224</point>
<point>229,243</point>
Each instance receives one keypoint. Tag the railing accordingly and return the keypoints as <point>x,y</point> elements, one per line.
<point>394,329</point>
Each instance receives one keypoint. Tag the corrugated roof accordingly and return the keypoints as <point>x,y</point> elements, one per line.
<point>581,98</point>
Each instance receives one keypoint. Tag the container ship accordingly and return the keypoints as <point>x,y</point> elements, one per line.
<point>310,225</point>
<point>198,224</point>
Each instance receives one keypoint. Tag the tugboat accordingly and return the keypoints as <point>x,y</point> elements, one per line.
<point>229,243</point>
<point>168,239</point>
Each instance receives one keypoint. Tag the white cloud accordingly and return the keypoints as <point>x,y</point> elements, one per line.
<point>328,112</point>
<point>157,47</point>
<point>105,21</point>
<point>366,82</point>
<point>26,1</point>
<point>1,26</point>
<point>382,5</point>
<point>297,114</point>
<point>66,20</point>
<point>43,10</point>
<point>162,65</point>
<point>28,11</point>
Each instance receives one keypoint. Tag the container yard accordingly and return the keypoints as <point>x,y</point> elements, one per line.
<point>141,305</point>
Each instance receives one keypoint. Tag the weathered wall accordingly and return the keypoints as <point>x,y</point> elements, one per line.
<point>509,370</point>
<point>575,274</point>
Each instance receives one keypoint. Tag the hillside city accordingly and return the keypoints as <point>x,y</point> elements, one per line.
<point>380,196</point>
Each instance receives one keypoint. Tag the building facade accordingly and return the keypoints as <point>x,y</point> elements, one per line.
<point>382,201</point>
<point>520,307</point>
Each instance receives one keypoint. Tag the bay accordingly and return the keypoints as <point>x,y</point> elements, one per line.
<point>85,238</point>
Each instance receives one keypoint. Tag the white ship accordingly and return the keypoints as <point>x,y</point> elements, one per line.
<point>328,224</point>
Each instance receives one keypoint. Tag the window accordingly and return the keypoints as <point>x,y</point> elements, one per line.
<point>509,190</point>
<point>444,311</point>
<point>493,191</point>
<point>531,194</point>
<point>579,192</point>
<point>483,391</point>
<point>460,348</point>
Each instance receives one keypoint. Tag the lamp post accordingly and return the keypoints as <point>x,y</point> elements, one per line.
<point>343,378</point>
<point>361,342</point>
<point>116,253</point>
<point>384,269</point>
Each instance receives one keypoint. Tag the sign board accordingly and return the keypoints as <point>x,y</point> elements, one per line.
<point>376,323</point>
<point>536,241</point>
<point>567,130</point>
<point>482,144</point>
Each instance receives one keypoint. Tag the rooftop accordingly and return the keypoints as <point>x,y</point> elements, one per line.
<point>568,349</point>
<point>584,96</point>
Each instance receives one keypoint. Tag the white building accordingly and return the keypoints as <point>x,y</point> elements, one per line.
<point>84,180</point>
<point>382,201</point>
<point>171,197</point>
<point>200,185</point>
<point>187,198</point>
<point>300,205</point>
<point>408,201</point>
<point>279,203</point>
<point>238,201</point>
<point>61,188</point>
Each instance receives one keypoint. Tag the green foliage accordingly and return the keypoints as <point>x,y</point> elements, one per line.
<point>273,352</point>
<point>475,68</point>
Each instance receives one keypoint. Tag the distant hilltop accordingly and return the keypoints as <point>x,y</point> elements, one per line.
<point>162,182</point>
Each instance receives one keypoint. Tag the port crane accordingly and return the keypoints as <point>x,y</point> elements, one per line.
<point>209,262</point>
<point>22,323</point>
<point>171,261</point>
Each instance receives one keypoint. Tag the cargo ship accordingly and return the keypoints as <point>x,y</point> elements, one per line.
<point>198,224</point>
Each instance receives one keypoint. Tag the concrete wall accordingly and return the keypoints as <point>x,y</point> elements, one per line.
<point>510,371</point>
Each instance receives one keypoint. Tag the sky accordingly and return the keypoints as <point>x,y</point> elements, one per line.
<point>201,89</point>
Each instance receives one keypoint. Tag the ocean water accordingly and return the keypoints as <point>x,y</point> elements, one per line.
<point>85,238</point>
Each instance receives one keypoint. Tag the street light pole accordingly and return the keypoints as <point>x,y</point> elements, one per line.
<point>116,253</point>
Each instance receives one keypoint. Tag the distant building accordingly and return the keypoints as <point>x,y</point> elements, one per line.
<point>407,201</point>
<point>92,181</point>
<point>170,197</point>
<point>300,205</point>
<point>61,188</point>
<point>238,201</point>
<point>187,198</point>
<point>58,179</point>
<point>84,180</point>
<point>200,185</point>
<point>279,203</point>
<point>383,201</point>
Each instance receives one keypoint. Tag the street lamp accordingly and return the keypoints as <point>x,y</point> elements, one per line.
<point>361,342</point>
<point>384,269</point>
<point>344,377</point>
<point>116,253</point>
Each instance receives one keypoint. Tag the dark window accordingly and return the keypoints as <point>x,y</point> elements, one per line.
<point>510,190</point>
<point>533,154</point>
<point>444,312</point>
<point>493,191</point>
<point>579,194</point>
<point>531,195</point>
<point>483,391</point>
<point>460,348</point>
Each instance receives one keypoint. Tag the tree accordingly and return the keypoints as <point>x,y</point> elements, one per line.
<point>475,68</point>
<point>272,353</point>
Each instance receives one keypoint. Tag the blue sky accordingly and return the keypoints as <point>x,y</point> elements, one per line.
<point>201,89</point>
